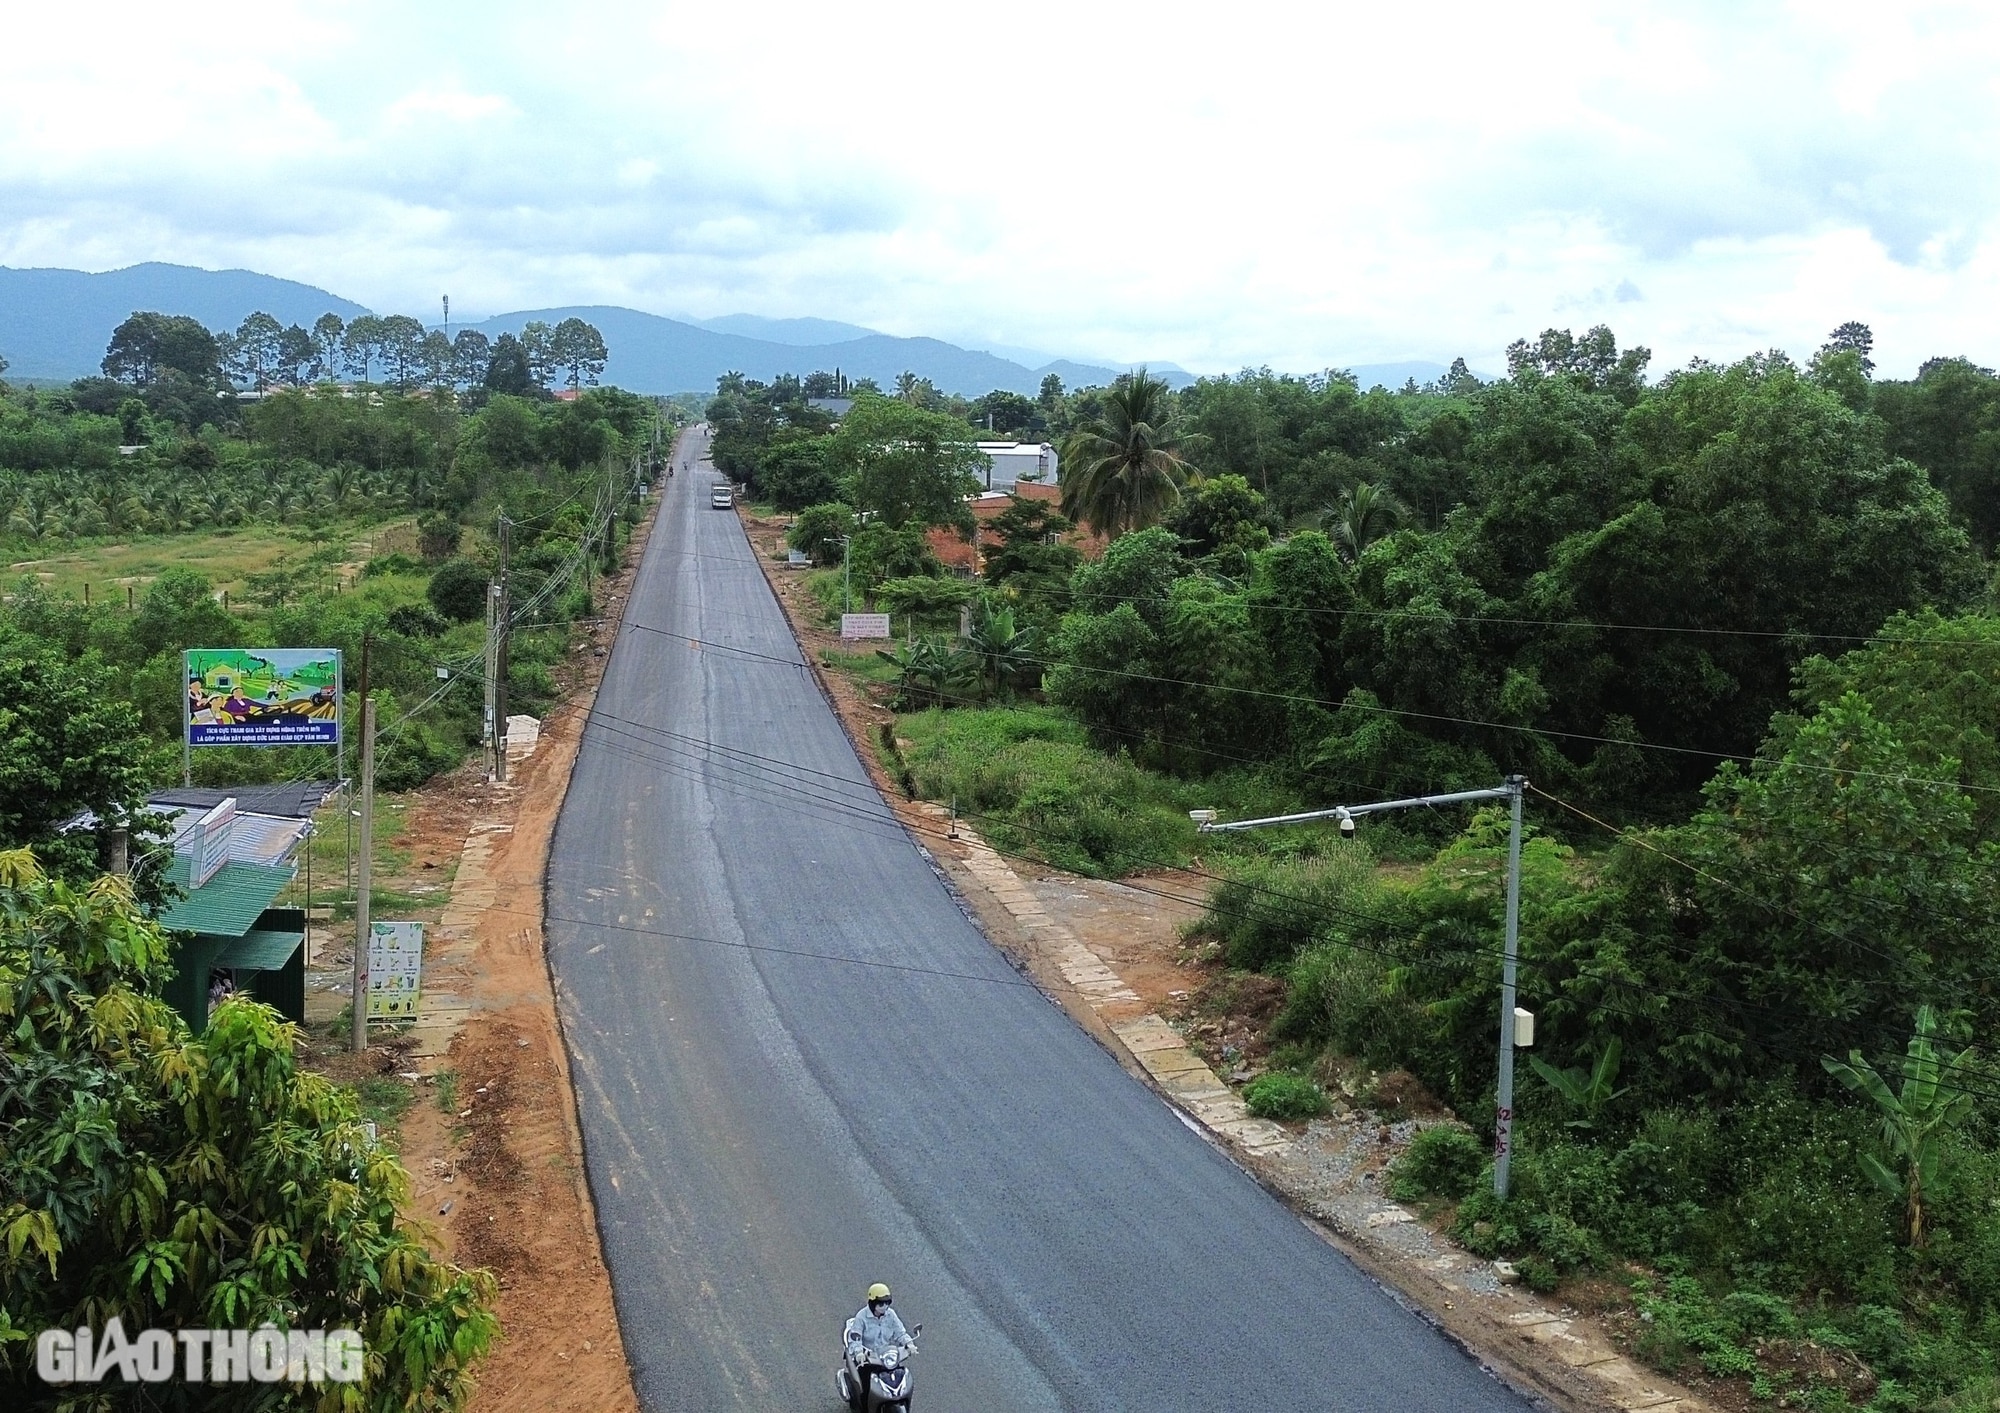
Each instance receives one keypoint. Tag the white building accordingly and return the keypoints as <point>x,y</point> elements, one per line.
<point>1018,461</point>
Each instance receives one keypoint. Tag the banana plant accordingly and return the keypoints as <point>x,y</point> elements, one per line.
<point>1586,1094</point>
<point>1933,1097</point>
<point>930,667</point>
<point>1004,652</point>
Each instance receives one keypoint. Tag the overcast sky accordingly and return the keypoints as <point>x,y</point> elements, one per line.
<point>1212,185</point>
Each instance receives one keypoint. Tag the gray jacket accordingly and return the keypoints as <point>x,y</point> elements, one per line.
<point>876,1334</point>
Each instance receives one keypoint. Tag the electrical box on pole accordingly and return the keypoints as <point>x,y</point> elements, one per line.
<point>1524,1029</point>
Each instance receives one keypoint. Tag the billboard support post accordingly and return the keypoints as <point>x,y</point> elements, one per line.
<point>362,881</point>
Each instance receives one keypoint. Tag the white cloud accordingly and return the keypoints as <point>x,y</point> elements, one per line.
<point>1261,183</point>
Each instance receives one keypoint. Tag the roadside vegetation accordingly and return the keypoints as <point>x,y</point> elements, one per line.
<point>217,1182</point>
<point>1737,627</point>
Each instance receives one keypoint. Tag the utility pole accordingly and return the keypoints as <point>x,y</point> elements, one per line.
<point>1512,1027</point>
<point>363,879</point>
<point>846,575</point>
<point>502,613</point>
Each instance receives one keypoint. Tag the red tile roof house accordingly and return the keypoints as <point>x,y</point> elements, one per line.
<point>964,560</point>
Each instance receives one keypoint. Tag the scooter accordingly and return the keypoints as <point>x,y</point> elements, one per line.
<point>889,1384</point>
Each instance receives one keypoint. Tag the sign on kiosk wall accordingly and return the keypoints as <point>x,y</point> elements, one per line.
<point>262,696</point>
<point>395,969</point>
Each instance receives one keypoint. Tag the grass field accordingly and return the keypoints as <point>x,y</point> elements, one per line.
<point>228,557</point>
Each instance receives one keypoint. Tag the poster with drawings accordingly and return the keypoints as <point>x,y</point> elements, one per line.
<point>395,970</point>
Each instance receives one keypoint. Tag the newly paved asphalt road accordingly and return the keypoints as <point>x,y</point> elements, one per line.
<point>801,1069</point>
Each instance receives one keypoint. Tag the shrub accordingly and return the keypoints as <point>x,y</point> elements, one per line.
<point>416,620</point>
<point>458,590</point>
<point>923,595</point>
<point>1284,1096</point>
<point>1443,1160</point>
<point>1271,909</point>
<point>396,563</point>
<point>818,531</point>
<point>437,536</point>
<point>1338,995</point>
<point>1028,778</point>
<point>412,756</point>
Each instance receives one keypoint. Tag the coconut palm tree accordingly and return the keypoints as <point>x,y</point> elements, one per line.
<point>1363,515</point>
<point>1124,471</point>
<point>32,519</point>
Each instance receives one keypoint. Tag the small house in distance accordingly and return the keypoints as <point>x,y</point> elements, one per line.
<point>1024,462</point>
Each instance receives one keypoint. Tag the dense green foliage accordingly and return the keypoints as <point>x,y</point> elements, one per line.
<point>90,707</point>
<point>179,1183</point>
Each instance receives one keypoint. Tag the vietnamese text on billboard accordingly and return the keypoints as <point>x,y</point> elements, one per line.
<point>263,696</point>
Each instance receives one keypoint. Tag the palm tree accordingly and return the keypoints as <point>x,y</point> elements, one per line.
<point>907,384</point>
<point>1363,516</point>
<point>1124,471</point>
<point>32,518</point>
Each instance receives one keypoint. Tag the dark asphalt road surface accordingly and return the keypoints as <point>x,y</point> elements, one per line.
<point>800,1069</point>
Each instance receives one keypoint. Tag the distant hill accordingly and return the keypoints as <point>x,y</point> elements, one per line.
<point>799,333</point>
<point>653,354</point>
<point>55,323</point>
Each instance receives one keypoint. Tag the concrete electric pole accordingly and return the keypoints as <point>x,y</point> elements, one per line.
<point>1515,1027</point>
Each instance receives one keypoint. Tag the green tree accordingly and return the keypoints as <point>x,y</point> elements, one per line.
<point>578,349</point>
<point>178,1183</point>
<point>471,356</point>
<point>792,470</point>
<point>458,590</point>
<point>179,612</point>
<point>147,346</point>
<point>402,348</point>
<point>1124,472</point>
<point>1223,520</point>
<point>508,370</point>
<point>254,350</point>
<point>329,336</point>
<point>1006,652</point>
<point>364,343</point>
<point>69,743</point>
<point>819,530</point>
<point>905,464</point>
<point>538,344</point>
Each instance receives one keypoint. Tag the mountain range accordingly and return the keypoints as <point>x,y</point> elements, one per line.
<point>54,325</point>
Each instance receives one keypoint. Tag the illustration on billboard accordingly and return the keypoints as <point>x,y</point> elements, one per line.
<point>263,696</point>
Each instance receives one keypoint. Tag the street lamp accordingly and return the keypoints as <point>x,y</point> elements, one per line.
<point>1517,1027</point>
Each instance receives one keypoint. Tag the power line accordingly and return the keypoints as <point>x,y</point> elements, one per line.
<point>882,821</point>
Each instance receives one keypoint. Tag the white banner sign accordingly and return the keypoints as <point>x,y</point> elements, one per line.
<point>864,625</point>
<point>395,969</point>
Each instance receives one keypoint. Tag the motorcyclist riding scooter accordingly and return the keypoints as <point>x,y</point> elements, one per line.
<point>874,1376</point>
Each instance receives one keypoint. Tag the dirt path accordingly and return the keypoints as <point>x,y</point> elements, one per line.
<point>491,1140</point>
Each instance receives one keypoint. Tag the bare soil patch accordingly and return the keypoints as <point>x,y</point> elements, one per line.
<point>491,1140</point>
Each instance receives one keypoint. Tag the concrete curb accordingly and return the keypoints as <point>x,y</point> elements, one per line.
<point>1385,1238</point>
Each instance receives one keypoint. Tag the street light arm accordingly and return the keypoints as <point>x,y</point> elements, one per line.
<point>1459,797</point>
